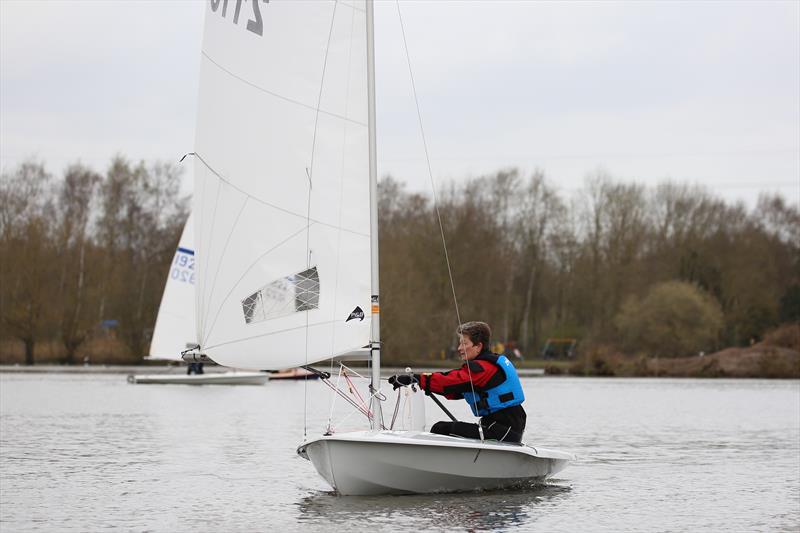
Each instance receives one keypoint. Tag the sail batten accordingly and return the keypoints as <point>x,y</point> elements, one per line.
<point>259,141</point>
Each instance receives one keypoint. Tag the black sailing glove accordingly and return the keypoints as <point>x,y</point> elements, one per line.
<point>401,380</point>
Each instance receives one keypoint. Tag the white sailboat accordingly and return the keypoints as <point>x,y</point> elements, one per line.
<point>175,329</point>
<point>286,206</point>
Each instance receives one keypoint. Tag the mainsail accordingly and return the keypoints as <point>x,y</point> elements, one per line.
<point>282,199</point>
<point>175,330</point>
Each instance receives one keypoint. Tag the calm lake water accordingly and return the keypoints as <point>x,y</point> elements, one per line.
<point>89,452</point>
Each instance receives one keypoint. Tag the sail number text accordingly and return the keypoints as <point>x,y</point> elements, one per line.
<point>183,268</point>
<point>254,24</point>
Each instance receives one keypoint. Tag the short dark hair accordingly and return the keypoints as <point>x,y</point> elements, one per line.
<point>476,332</point>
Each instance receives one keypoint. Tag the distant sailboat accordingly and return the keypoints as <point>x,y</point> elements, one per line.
<point>287,233</point>
<point>175,330</point>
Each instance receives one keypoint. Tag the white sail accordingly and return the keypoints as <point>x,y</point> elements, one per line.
<point>175,329</point>
<point>282,183</point>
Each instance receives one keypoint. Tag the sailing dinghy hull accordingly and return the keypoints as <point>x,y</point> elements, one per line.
<point>411,462</point>
<point>224,378</point>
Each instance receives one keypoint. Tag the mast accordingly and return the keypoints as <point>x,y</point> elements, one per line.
<point>375,335</point>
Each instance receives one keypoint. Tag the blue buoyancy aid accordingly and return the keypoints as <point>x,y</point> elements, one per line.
<point>506,394</point>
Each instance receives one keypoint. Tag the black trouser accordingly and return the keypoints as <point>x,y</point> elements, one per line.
<point>506,425</point>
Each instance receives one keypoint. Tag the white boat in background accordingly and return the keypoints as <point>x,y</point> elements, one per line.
<point>175,329</point>
<point>207,378</point>
<point>285,200</point>
<point>293,374</point>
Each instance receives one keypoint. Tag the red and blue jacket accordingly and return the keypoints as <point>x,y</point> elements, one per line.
<point>494,383</point>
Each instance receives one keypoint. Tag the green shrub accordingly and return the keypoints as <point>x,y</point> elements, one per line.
<point>673,319</point>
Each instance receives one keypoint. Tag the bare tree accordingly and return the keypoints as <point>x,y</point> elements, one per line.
<point>25,253</point>
<point>541,211</point>
<point>75,200</point>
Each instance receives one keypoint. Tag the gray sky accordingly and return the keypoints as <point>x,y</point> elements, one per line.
<point>700,92</point>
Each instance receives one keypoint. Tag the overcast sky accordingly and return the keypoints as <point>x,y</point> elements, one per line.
<point>702,92</point>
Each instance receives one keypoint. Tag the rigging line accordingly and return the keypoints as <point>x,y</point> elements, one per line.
<point>276,95</point>
<point>351,387</point>
<point>349,400</point>
<point>253,264</point>
<point>435,195</point>
<point>219,264</point>
<point>356,394</point>
<point>352,371</point>
<point>332,396</point>
<point>377,397</point>
<point>276,207</point>
<point>310,174</point>
<point>428,160</point>
<point>343,369</point>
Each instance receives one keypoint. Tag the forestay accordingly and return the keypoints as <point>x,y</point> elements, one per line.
<point>175,324</point>
<point>282,183</point>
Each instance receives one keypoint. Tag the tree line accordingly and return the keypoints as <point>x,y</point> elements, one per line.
<point>663,271</point>
<point>86,251</point>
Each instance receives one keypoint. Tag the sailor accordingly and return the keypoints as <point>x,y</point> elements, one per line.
<point>195,368</point>
<point>487,381</point>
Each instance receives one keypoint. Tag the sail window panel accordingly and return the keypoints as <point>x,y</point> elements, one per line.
<point>253,308</point>
<point>292,294</point>
<point>306,290</point>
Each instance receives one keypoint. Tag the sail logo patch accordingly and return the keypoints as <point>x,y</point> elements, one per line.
<point>357,313</point>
